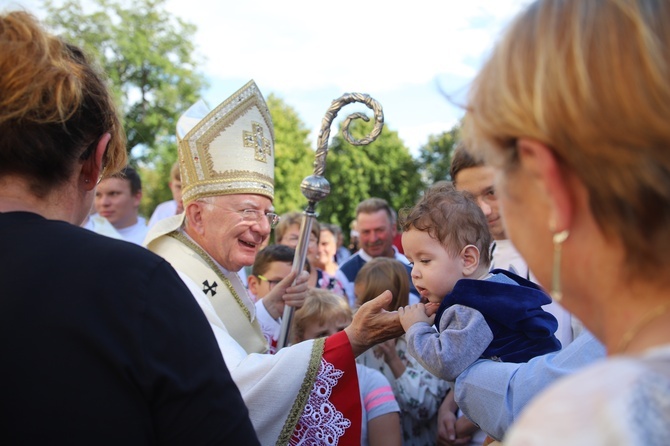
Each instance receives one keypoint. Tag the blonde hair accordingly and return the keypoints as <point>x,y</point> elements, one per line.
<point>590,79</point>
<point>54,107</point>
<point>320,306</point>
<point>381,274</point>
<point>294,218</point>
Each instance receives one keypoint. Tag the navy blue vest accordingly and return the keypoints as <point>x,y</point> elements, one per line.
<point>521,328</point>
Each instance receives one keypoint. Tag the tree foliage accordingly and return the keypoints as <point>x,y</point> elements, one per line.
<point>435,155</point>
<point>293,156</point>
<point>151,62</point>
<point>384,168</point>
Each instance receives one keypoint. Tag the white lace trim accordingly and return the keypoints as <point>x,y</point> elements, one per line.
<point>321,423</point>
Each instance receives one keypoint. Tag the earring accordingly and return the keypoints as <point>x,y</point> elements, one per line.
<point>559,238</point>
<point>87,181</point>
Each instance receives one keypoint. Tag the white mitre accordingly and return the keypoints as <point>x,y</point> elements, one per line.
<point>228,150</point>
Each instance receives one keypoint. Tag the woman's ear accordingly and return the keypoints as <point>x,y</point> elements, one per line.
<point>92,167</point>
<point>470,257</point>
<point>541,162</point>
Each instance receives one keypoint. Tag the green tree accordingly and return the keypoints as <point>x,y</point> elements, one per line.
<point>435,156</point>
<point>384,168</point>
<point>293,156</point>
<point>150,59</point>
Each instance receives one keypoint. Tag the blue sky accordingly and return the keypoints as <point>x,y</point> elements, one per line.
<point>310,52</point>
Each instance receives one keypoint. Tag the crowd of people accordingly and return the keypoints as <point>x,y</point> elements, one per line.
<point>524,300</point>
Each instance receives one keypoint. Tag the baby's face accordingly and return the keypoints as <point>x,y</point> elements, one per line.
<point>434,270</point>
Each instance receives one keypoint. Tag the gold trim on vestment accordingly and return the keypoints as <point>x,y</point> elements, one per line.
<point>201,252</point>
<point>303,394</point>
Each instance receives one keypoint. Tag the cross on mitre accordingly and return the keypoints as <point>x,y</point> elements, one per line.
<point>255,139</point>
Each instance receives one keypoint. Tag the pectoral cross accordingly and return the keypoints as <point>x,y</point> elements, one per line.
<point>206,287</point>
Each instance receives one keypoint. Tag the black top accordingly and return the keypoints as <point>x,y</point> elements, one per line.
<point>102,343</point>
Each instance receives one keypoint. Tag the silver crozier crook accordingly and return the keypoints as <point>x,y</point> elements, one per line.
<point>315,187</point>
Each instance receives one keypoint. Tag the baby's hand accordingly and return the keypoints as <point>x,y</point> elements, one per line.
<point>411,314</point>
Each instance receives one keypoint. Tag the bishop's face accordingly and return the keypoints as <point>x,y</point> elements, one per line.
<point>228,234</point>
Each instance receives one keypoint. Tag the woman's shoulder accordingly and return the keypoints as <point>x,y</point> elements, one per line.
<point>622,397</point>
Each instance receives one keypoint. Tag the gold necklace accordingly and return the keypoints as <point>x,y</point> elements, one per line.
<point>635,329</point>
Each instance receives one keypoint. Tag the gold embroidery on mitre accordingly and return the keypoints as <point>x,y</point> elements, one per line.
<point>215,157</point>
<point>261,145</point>
<point>232,182</point>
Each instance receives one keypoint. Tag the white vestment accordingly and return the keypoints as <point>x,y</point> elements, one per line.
<point>276,388</point>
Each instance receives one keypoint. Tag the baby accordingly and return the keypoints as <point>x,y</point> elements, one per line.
<point>481,314</point>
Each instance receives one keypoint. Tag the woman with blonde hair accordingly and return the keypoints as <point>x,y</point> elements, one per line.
<point>573,108</point>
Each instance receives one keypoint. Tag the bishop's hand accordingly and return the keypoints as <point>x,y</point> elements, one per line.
<point>372,324</point>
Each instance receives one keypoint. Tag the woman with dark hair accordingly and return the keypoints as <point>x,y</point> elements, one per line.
<point>101,341</point>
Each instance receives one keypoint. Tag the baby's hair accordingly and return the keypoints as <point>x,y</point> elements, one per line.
<point>381,274</point>
<point>451,217</point>
<point>320,306</point>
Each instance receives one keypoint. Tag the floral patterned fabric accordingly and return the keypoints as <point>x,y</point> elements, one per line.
<point>321,423</point>
<point>328,282</point>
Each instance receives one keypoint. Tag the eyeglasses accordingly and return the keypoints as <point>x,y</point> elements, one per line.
<point>255,215</point>
<point>252,215</point>
<point>272,283</point>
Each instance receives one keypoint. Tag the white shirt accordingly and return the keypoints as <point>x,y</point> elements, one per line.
<point>135,233</point>
<point>163,210</point>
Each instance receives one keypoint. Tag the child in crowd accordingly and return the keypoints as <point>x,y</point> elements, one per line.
<point>494,315</point>
<point>419,393</point>
<point>271,265</point>
<point>325,313</point>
